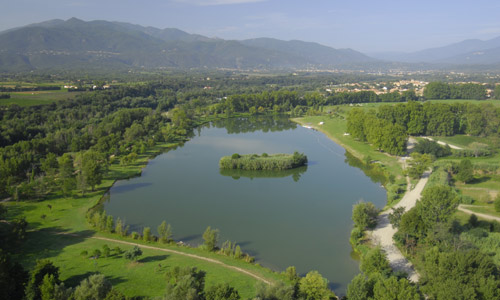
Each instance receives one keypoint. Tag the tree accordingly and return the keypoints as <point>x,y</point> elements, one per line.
<point>93,167</point>
<point>497,203</point>
<point>95,287</point>
<point>393,288</point>
<point>133,254</point>
<point>12,278</point>
<point>222,291</point>
<point>165,232</point>
<point>375,262</point>
<point>360,288</point>
<point>314,287</point>
<point>418,164</point>
<point>276,291</point>
<point>437,205</point>
<point>43,267</point>
<point>465,172</point>
<point>395,216</point>
<point>146,234</point>
<point>47,288</point>
<point>364,215</point>
<point>210,236</point>
<point>185,284</point>
<point>291,274</point>
<point>355,124</point>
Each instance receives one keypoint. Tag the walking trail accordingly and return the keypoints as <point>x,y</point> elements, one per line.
<point>383,233</point>
<point>189,255</point>
<point>463,208</point>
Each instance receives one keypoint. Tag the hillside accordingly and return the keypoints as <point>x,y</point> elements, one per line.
<point>100,44</point>
<point>472,51</point>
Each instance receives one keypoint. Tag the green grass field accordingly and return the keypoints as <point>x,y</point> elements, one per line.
<point>58,231</point>
<point>37,97</point>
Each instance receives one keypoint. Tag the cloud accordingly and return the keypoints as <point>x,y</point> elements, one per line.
<point>217,2</point>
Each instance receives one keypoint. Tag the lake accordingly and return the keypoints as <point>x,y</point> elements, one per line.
<point>297,217</point>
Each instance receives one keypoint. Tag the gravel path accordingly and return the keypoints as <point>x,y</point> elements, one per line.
<point>463,208</point>
<point>383,233</point>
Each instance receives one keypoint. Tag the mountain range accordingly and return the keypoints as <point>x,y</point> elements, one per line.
<point>76,44</point>
<point>467,52</point>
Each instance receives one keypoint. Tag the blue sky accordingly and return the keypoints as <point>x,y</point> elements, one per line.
<point>364,25</point>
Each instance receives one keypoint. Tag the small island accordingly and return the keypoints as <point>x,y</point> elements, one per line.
<point>273,162</point>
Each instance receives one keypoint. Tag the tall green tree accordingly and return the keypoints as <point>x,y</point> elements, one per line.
<point>465,171</point>
<point>95,287</point>
<point>438,203</point>
<point>93,167</point>
<point>314,287</point>
<point>43,267</point>
<point>364,215</point>
<point>211,237</point>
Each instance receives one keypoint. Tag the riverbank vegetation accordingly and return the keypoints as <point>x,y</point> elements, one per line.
<point>265,162</point>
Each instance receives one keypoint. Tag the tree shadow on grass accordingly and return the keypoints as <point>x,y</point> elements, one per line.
<point>153,258</point>
<point>480,180</point>
<point>48,243</point>
<point>75,280</point>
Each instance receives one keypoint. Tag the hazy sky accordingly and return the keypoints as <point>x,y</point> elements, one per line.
<point>364,25</point>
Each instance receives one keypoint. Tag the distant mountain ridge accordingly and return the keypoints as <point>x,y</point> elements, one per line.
<point>101,44</point>
<point>472,51</point>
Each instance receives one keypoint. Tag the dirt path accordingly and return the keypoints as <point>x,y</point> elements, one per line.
<point>189,255</point>
<point>463,208</point>
<point>443,143</point>
<point>383,233</point>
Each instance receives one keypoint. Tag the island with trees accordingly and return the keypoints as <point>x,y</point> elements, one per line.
<point>276,162</point>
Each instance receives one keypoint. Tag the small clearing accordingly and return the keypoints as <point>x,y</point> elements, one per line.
<point>462,207</point>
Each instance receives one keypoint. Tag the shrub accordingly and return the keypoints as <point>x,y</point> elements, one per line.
<point>364,215</point>
<point>497,203</point>
<point>133,253</point>
<point>235,156</point>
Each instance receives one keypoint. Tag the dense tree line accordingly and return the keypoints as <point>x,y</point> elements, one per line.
<point>392,123</point>
<point>442,90</point>
<point>370,97</point>
<point>381,133</point>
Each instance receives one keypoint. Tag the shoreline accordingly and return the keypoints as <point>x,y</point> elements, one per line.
<point>331,137</point>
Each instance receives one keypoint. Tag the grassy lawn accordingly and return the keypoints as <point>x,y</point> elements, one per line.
<point>58,231</point>
<point>37,97</point>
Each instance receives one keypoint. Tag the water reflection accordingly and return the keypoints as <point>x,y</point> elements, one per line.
<point>255,123</point>
<point>236,174</point>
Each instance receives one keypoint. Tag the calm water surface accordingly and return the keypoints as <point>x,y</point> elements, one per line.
<point>300,218</point>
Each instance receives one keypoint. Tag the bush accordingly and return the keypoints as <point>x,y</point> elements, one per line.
<point>497,203</point>
<point>84,253</point>
<point>133,253</point>
<point>364,215</point>
<point>235,156</point>
<point>96,253</point>
<point>134,235</point>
